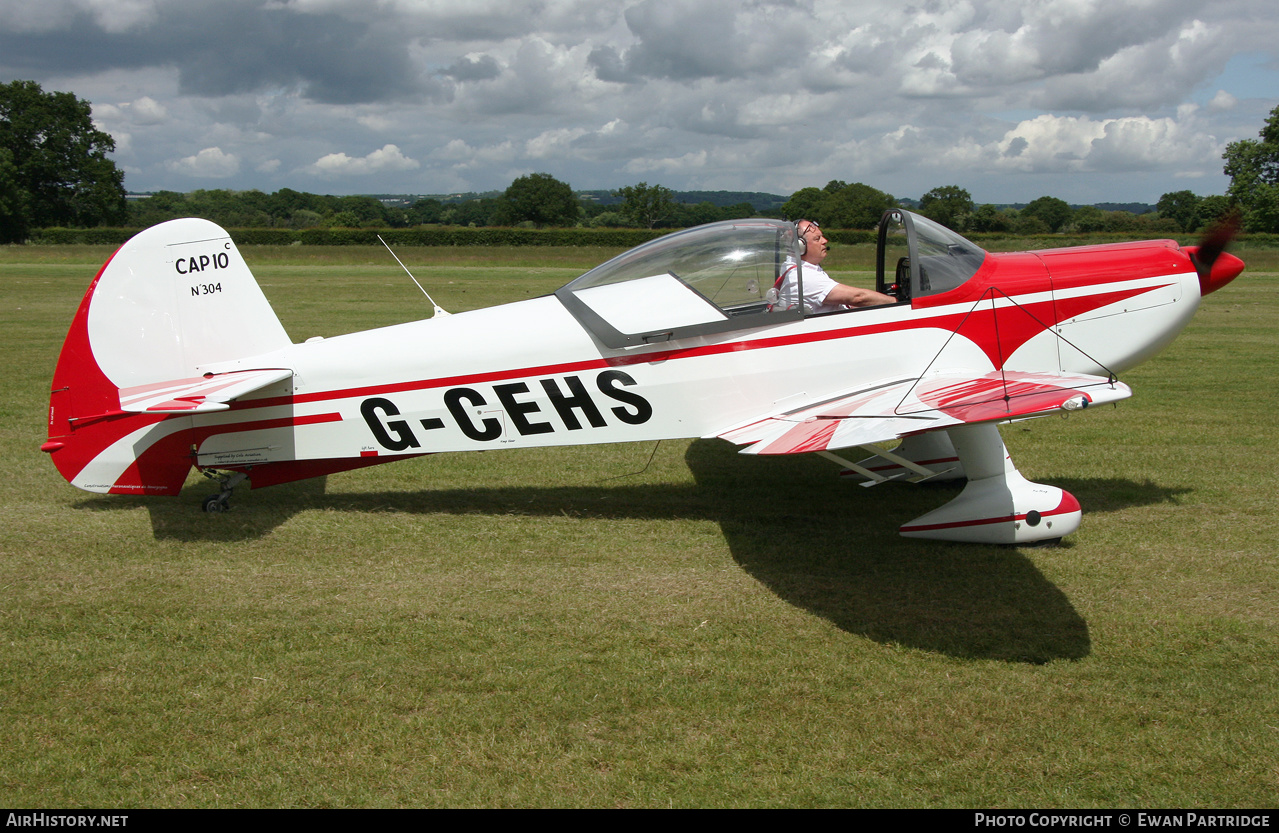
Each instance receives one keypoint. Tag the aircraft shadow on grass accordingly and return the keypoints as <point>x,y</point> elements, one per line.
<point>825,546</point>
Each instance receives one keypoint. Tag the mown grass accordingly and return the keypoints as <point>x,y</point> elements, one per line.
<point>592,627</point>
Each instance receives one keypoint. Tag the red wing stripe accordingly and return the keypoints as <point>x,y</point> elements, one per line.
<point>805,437</point>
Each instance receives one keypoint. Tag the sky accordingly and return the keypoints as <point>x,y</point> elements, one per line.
<point>1086,100</point>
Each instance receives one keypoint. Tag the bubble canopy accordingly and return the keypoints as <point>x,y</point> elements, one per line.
<point>700,281</point>
<point>722,277</point>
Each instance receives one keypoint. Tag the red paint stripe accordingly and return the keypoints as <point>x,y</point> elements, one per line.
<point>262,424</point>
<point>1068,505</point>
<point>959,524</point>
<point>425,384</point>
<point>588,364</point>
<point>947,322</point>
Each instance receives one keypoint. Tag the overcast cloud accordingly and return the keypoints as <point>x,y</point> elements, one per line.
<point>1081,99</point>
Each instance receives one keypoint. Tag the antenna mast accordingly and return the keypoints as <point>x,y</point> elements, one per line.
<point>438,309</point>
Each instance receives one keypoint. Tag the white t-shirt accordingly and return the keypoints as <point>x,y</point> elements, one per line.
<point>817,285</point>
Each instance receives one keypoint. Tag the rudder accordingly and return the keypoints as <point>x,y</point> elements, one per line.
<point>172,299</point>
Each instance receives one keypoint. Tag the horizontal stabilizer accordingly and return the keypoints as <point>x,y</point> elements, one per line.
<point>901,407</point>
<point>203,394</point>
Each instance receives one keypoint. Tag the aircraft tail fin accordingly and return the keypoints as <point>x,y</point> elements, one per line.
<point>172,300</point>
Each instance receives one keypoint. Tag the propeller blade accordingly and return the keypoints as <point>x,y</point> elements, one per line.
<point>1215,267</point>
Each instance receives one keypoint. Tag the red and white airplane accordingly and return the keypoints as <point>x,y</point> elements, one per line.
<point>175,359</point>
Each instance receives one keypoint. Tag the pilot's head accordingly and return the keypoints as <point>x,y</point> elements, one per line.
<point>815,246</point>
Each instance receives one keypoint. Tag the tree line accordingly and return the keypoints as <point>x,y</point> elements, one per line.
<point>54,172</point>
<point>1175,213</point>
<point>535,201</point>
<point>541,201</point>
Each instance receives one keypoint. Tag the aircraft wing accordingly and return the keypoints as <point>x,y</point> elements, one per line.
<point>894,408</point>
<point>200,395</point>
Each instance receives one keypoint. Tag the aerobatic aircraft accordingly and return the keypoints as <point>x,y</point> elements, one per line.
<point>175,359</point>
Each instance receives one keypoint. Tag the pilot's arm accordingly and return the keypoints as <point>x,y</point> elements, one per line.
<point>851,296</point>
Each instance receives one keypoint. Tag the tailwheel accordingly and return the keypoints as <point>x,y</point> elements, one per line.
<point>216,503</point>
<point>221,502</point>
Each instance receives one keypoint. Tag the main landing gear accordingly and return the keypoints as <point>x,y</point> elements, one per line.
<point>221,502</point>
<point>996,506</point>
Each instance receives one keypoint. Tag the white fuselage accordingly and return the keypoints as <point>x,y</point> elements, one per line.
<point>528,374</point>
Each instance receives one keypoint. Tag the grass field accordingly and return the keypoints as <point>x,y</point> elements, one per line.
<point>643,625</point>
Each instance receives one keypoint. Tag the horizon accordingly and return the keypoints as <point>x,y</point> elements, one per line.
<point>387,196</point>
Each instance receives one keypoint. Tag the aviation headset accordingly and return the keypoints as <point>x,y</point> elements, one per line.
<point>799,235</point>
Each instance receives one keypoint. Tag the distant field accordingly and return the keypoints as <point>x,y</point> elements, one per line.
<point>644,625</point>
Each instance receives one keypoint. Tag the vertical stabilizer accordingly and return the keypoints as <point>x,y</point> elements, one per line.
<point>173,298</point>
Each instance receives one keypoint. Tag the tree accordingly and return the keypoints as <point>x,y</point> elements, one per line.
<point>481,212</point>
<point>1212,209</point>
<point>946,204</point>
<point>988,218</point>
<point>606,219</point>
<point>1026,224</point>
<point>687,215</point>
<point>540,199</point>
<point>1053,212</point>
<point>1182,207</point>
<point>1120,221</point>
<point>858,206</point>
<point>804,204</point>
<point>13,202</point>
<point>425,211</point>
<point>1088,218</point>
<point>839,205</point>
<point>1263,214</point>
<point>54,169</point>
<point>1253,168</point>
<point>646,205</point>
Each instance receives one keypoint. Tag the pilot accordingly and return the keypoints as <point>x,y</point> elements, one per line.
<point>822,293</point>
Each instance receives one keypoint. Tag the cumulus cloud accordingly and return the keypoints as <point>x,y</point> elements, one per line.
<point>461,156</point>
<point>146,111</point>
<point>388,159</point>
<point>1128,78</point>
<point>110,15</point>
<point>756,95</point>
<point>688,163</point>
<point>553,142</point>
<point>540,78</point>
<point>483,68</point>
<point>1050,144</point>
<point>1223,101</point>
<point>683,41</point>
<point>210,163</point>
